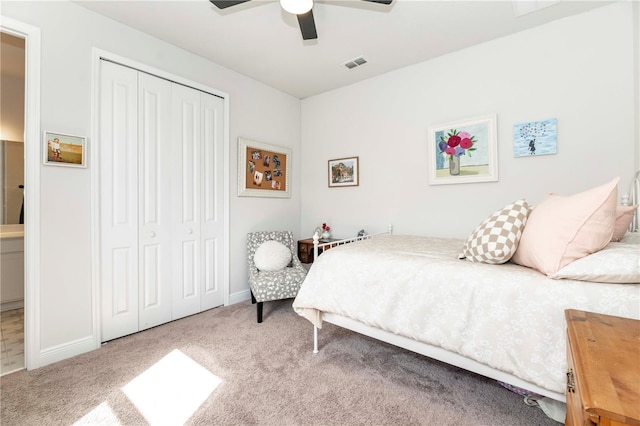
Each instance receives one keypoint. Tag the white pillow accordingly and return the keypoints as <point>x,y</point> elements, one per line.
<point>272,256</point>
<point>616,263</point>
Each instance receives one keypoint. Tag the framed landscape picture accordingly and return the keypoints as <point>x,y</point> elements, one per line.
<point>60,149</point>
<point>263,170</point>
<point>464,151</point>
<point>343,172</point>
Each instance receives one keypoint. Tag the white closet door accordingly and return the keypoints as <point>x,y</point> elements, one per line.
<point>119,200</point>
<point>186,189</point>
<point>212,224</point>
<point>154,184</point>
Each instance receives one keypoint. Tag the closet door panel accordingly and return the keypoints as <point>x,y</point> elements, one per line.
<point>154,184</point>
<point>211,292</point>
<point>212,223</point>
<point>120,284</point>
<point>119,200</point>
<point>189,286</point>
<point>187,202</point>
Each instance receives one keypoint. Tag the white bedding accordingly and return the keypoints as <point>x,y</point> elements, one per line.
<point>508,317</point>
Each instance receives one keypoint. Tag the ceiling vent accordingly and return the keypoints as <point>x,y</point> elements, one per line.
<point>355,63</point>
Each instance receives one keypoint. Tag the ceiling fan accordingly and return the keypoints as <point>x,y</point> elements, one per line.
<point>303,9</point>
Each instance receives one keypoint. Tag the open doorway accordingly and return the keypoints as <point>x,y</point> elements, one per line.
<point>12,161</point>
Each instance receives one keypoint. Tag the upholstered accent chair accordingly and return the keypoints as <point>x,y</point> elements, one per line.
<point>275,283</point>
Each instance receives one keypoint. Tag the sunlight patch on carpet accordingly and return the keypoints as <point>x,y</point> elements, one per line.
<point>171,390</point>
<point>101,415</point>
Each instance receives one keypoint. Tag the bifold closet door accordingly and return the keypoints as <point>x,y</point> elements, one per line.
<point>135,181</point>
<point>119,200</point>
<point>198,228</point>
<point>154,201</point>
<point>161,200</point>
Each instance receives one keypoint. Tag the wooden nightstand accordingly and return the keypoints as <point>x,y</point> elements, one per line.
<point>305,249</point>
<point>603,380</point>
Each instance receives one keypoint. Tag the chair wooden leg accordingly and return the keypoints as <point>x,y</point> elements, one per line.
<point>259,308</point>
<point>253,299</point>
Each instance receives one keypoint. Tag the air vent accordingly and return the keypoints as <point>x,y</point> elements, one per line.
<point>355,63</point>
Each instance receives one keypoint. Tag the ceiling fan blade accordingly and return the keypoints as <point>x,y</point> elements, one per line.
<point>380,1</point>
<point>307,26</point>
<point>223,4</point>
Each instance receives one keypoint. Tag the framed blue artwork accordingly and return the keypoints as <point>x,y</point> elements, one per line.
<point>535,138</point>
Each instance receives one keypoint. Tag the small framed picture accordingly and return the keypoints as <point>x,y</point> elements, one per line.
<point>60,149</point>
<point>535,138</point>
<point>343,172</point>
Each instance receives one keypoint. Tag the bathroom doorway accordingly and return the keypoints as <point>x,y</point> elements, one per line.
<point>12,178</point>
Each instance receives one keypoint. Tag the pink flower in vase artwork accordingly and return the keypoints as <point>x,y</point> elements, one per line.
<point>455,144</point>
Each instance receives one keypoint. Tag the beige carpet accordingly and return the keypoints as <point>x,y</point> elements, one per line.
<point>222,368</point>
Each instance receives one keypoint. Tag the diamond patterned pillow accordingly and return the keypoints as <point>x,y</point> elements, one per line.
<point>496,239</point>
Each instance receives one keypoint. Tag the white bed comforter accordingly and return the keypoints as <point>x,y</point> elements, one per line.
<point>508,317</point>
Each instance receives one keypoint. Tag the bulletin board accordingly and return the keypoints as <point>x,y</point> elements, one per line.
<point>263,169</point>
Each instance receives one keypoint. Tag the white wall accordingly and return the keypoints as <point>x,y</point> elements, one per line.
<point>69,32</point>
<point>579,70</point>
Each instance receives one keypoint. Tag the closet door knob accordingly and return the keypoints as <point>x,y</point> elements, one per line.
<point>152,234</point>
<point>189,231</point>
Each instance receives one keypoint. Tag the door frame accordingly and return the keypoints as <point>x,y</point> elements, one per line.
<point>32,38</point>
<point>96,56</point>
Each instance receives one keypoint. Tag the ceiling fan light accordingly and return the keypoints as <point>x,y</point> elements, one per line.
<point>297,7</point>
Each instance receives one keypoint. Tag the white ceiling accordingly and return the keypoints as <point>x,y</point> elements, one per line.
<point>262,41</point>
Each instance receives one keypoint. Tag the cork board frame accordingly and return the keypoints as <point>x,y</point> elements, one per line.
<point>264,170</point>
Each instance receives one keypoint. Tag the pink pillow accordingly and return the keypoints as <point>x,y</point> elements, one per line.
<point>563,229</point>
<point>624,216</point>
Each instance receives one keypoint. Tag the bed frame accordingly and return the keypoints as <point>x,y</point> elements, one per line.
<point>317,244</point>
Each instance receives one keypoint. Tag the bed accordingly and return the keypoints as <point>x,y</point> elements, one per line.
<point>503,320</point>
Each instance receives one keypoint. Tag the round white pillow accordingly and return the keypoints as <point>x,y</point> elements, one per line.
<point>272,256</point>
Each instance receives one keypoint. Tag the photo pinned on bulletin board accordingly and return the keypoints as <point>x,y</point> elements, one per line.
<point>535,138</point>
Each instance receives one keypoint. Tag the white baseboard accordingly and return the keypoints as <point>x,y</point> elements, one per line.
<point>87,344</point>
<point>67,350</point>
<point>240,296</point>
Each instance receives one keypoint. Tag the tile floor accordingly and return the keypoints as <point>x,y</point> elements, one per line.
<point>12,340</point>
